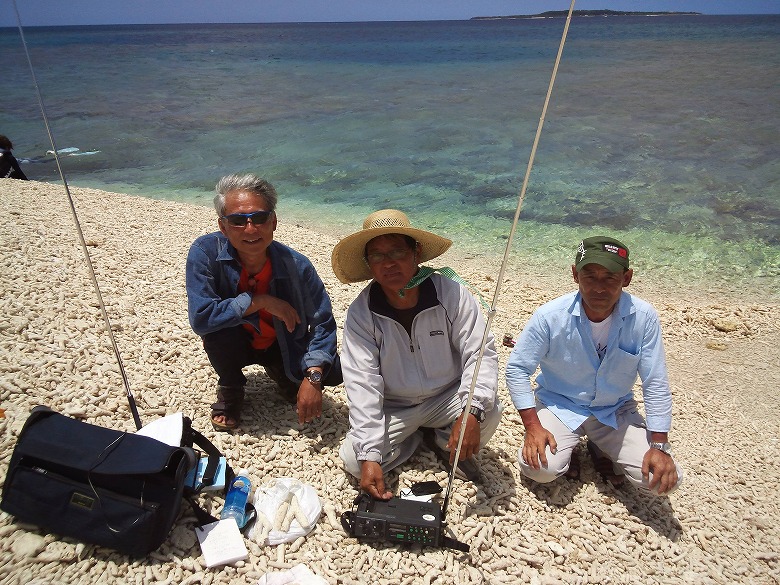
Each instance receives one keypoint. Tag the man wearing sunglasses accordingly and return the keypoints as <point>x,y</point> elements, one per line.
<point>256,301</point>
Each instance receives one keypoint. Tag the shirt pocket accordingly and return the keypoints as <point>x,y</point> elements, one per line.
<point>436,355</point>
<point>623,368</point>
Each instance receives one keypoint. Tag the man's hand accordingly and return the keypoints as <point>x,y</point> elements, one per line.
<point>664,471</point>
<point>309,401</point>
<point>535,445</point>
<point>280,309</point>
<point>372,481</point>
<point>470,446</point>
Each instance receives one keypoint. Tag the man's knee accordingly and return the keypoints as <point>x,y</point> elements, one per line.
<point>227,351</point>
<point>555,468</point>
<point>227,339</point>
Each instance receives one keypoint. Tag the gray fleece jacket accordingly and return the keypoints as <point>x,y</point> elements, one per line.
<point>383,365</point>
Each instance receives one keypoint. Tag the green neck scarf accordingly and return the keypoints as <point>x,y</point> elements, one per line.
<point>426,271</point>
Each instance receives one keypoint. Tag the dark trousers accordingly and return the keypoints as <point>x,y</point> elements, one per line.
<point>230,350</point>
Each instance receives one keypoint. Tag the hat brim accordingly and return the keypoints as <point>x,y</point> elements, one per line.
<point>348,256</point>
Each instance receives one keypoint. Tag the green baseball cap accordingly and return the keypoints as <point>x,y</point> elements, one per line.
<point>607,252</point>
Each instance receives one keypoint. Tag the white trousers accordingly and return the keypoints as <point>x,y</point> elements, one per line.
<point>625,446</point>
<point>402,434</point>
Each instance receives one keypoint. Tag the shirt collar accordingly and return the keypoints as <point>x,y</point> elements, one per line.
<point>377,301</point>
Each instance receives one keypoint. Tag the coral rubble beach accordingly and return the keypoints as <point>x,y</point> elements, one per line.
<point>722,526</point>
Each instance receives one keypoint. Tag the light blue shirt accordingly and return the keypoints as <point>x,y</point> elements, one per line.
<point>573,383</point>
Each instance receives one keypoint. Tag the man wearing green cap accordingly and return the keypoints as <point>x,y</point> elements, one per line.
<point>590,346</point>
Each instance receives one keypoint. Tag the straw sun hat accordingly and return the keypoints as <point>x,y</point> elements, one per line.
<point>348,258</point>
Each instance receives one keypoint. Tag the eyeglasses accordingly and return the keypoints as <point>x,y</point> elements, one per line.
<point>397,254</point>
<point>240,219</point>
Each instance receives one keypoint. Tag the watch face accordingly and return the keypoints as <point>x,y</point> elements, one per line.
<point>663,447</point>
<point>314,376</point>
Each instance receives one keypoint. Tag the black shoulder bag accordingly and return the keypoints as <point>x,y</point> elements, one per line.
<point>112,488</point>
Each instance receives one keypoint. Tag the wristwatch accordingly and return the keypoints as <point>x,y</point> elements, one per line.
<point>663,447</point>
<point>478,413</point>
<point>314,376</point>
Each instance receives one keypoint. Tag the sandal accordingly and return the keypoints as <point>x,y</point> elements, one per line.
<point>230,400</point>
<point>604,467</point>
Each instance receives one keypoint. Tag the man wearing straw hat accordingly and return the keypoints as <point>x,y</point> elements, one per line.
<point>411,341</point>
<point>591,345</point>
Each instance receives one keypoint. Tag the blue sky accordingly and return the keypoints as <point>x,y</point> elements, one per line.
<point>59,12</point>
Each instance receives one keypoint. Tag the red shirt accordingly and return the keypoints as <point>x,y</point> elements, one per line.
<point>258,285</point>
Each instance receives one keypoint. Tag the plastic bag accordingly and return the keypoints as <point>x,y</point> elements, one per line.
<point>286,509</point>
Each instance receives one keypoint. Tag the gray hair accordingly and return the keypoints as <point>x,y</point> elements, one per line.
<point>246,182</point>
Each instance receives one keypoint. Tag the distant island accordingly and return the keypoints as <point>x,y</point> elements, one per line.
<point>560,13</point>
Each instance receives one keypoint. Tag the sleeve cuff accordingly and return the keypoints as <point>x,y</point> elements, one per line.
<point>374,456</point>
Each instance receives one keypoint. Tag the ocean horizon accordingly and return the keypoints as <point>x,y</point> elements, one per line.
<point>661,131</point>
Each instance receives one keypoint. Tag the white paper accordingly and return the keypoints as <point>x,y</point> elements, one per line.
<point>408,495</point>
<point>167,429</point>
<point>221,543</point>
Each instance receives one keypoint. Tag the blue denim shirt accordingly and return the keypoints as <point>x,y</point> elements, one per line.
<point>573,384</point>
<point>213,271</point>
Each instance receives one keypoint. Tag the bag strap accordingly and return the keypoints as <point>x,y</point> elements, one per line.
<point>201,515</point>
<point>213,459</point>
<point>196,438</point>
<point>191,437</point>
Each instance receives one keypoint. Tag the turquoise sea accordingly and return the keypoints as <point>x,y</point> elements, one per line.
<point>661,131</point>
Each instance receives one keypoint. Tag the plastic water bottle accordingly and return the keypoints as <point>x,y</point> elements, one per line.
<point>236,498</point>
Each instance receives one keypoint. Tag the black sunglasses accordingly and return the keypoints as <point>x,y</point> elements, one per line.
<point>240,219</point>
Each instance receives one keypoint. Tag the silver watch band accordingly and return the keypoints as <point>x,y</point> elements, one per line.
<point>663,447</point>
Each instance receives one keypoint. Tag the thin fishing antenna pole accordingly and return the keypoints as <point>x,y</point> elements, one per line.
<point>500,278</point>
<point>130,399</point>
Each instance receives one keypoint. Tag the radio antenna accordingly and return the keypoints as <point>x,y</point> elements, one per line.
<point>500,278</point>
<point>130,399</point>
